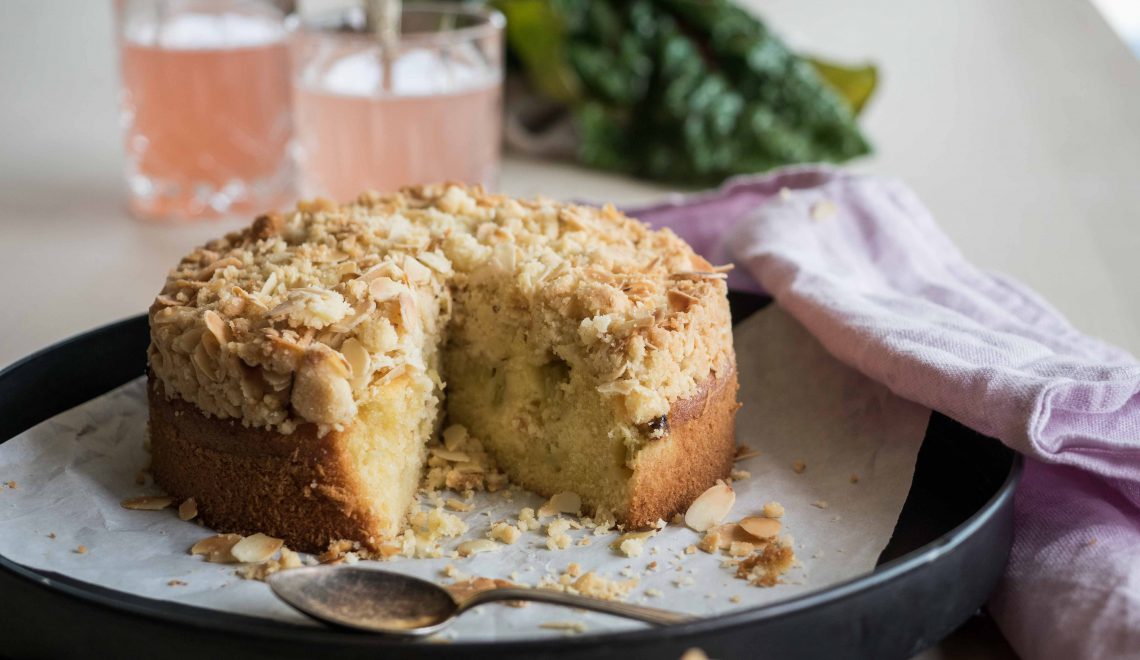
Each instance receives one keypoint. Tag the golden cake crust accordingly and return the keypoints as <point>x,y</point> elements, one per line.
<point>698,450</point>
<point>246,480</point>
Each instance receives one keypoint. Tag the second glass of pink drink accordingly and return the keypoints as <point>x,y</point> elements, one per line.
<point>425,109</point>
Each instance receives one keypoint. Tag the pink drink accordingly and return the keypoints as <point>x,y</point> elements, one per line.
<point>355,143</point>
<point>206,103</point>
<point>423,109</point>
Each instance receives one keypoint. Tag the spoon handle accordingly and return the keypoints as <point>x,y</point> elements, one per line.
<point>641,613</point>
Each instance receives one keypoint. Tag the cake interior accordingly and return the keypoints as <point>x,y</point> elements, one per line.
<point>516,381</point>
<point>385,449</point>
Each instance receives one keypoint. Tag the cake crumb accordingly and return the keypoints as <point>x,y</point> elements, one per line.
<point>651,566</point>
<point>458,505</point>
<point>593,585</point>
<point>696,653</point>
<point>51,535</point>
<point>690,549</point>
<point>798,466</point>
<point>740,475</point>
<point>764,568</point>
<point>11,485</point>
<point>632,544</point>
<point>81,550</point>
<point>471,586</point>
<point>527,521</point>
<point>854,478</point>
<point>820,504</point>
<point>452,572</point>
<point>504,532</point>
<point>654,593</point>
<point>740,549</point>
<point>734,599</point>
<point>773,510</point>
<point>684,581</point>
<point>556,536</point>
<point>177,583</point>
<point>573,569</point>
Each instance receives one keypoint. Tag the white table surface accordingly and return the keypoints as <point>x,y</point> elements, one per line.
<point>1018,123</point>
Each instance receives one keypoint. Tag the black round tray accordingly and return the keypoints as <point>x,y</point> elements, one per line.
<point>948,550</point>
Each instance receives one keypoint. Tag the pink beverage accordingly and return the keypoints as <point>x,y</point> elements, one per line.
<point>207,108</point>
<point>356,143</point>
<point>427,109</point>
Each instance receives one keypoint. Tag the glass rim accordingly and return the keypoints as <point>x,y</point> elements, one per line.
<point>489,21</point>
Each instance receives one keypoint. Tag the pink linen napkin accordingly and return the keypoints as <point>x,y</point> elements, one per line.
<point>862,265</point>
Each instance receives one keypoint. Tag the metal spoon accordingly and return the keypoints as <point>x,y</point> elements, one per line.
<point>395,604</point>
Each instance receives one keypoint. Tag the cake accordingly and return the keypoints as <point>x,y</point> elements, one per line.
<point>299,367</point>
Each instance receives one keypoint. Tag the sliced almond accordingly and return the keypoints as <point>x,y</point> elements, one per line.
<point>217,549</point>
<point>760,527</point>
<point>436,262</point>
<point>384,288</point>
<point>217,326</point>
<point>409,311</point>
<point>188,510</point>
<point>358,360</point>
<point>147,503</point>
<point>417,272</point>
<point>256,549</point>
<point>680,301</point>
<point>476,546</point>
<point>710,508</point>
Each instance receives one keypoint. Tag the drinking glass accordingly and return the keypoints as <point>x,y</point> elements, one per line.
<point>206,106</point>
<point>423,108</point>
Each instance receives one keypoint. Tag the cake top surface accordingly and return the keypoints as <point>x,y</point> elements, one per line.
<point>302,315</point>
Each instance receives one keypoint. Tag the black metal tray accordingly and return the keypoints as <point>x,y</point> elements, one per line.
<point>947,553</point>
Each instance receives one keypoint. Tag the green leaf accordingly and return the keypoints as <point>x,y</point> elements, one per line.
<point>536,34</point>
<point>855,84</point>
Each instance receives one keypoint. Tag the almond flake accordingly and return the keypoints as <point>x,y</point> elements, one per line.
<point>256,549</point>
<point>147,503</point>
<point>217,549</point>
<point>383,289</point>
<point>476,546</point>
<point>188,510</point>
<point>761,528</point>
<point>416,271</point>
<point>710,508</point>
<point>217,326</point>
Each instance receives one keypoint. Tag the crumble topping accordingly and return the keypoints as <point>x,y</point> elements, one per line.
<point>304,315</point>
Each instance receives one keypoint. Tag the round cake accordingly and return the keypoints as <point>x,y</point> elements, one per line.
<point>298,368</point>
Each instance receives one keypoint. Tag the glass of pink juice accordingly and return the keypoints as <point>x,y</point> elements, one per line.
<point>423,108</point>
<point>206,107</point>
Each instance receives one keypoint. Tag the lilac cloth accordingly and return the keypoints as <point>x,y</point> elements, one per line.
<point>861,263</point>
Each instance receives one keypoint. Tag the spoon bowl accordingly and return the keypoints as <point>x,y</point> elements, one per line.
<point>396,604</point>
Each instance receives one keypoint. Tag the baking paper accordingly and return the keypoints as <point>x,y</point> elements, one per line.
<point>855,441</point>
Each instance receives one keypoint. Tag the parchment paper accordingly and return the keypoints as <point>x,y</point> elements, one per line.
<point>857,440</point>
